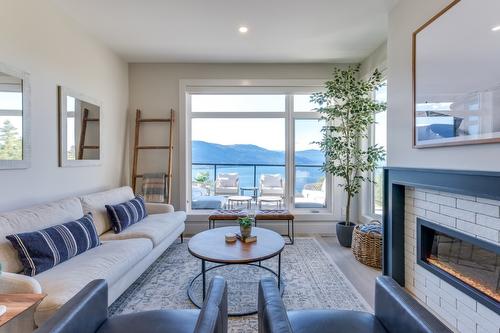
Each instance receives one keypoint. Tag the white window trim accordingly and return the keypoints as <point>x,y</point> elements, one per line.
<point>367,189</point>
<point>187,87</point>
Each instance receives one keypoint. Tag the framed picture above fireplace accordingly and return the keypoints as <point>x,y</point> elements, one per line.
<point>456,76</point>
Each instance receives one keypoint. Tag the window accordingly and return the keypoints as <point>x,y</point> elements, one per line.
<point>379,138</point>
<point>258,143</point>
<point>11,122</point>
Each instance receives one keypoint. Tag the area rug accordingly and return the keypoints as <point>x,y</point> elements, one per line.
<point>312,281</point>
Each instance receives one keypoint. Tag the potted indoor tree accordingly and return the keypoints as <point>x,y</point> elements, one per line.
<point>348,108</point>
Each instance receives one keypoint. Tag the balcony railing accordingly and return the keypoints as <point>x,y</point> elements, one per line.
<point>308,179</point>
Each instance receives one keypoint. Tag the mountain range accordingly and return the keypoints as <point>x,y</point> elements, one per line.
<point>212,153</point>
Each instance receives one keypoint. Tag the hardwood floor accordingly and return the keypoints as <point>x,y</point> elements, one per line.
<point>361,276</point>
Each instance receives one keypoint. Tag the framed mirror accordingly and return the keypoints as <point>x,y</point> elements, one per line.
<point>79,129</point>
<point>456,76</point>
<point>15,142</point>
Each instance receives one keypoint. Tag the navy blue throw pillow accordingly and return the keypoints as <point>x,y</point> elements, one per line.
<point>127,213</point>
<point>43,249</point>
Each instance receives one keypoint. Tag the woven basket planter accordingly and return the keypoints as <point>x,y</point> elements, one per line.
<point>367,247</point>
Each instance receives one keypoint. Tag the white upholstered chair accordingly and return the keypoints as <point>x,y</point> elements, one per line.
<point>227,184</point>
<point>272,185</point>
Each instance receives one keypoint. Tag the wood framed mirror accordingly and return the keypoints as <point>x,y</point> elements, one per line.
<point>456,76</point>
<point>15,108</point>
<point>80,119</point>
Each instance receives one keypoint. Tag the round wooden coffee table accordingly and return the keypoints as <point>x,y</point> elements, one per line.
<point>210,245</point>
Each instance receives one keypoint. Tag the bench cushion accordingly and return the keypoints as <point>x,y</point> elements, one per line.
<point>110,261</point>
<point>155,227</point>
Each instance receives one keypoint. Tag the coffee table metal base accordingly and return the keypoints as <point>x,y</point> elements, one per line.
<point>204,270</point>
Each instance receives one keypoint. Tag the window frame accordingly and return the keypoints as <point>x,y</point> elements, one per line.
<point>370,209</point>
<point>282,87</point>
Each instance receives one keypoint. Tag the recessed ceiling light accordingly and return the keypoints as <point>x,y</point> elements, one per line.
<point>243,29</point>
<point>497,28</point>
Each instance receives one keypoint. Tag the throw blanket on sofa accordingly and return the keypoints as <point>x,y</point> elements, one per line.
<point>153,187</point>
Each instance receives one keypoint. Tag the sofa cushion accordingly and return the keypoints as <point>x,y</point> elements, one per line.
<point>43,249</point>
<point>95,203</point>
<point>30,219</point>
<point>155,227</point>
<point>110,261</point>
<point>126,213</point>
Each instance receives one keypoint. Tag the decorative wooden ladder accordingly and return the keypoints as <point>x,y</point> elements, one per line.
<point>83,133</point>
<point>169,147</point>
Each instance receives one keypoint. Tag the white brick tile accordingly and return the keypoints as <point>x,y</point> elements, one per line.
<point>460,196</point>
<point>478,230</point>
<point>478,207</point>
<point>427,205</point>
<point>488,221</point>
<point>458,213</point>
<point>419,195</point>
<point>487,314</point>
<point>441,218</point>
<point>465,325</point>
<point>461,297</point>
<point>490,329</point>
<point>444,314</point>
<point>489,201</point>
<point>441,199</point>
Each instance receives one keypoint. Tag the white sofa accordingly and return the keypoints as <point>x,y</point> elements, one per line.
<point>120,260</point>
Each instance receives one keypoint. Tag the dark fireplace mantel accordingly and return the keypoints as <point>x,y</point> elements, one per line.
<point>473,183</point>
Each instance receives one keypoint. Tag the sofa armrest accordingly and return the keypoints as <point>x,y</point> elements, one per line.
<point>11,283</point>
<point>158,208</point>
<point>398,311</point>
<point>272,314</point>
<point>213,314</point>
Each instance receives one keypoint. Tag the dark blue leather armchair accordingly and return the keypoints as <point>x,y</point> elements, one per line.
<point>87,312</point>
<point>395,312</point>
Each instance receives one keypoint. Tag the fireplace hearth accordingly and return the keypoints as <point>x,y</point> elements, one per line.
<point>468,263</point>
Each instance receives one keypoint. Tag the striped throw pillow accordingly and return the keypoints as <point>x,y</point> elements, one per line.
<point>127,213</point>
<point>43,249</point>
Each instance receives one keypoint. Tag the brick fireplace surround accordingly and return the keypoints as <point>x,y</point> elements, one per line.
<point>466,201</point>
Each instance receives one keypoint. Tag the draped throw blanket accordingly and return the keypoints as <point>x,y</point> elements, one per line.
<point>153,187</point>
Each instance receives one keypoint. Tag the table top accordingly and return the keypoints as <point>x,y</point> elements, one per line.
<point>239,198</point>
<point>270,198</point>
<point>17,304</point>
<point>210,245</point>
<point>249,188</point>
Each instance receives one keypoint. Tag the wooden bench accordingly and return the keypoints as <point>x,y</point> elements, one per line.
<point>225,215</point>
<point>278,215</point>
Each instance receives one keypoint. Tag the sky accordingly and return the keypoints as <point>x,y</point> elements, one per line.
<point>268,133</point>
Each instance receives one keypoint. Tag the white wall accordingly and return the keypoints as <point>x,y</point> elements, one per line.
<point>404,19</point>
<point>376,60</point>
<point>35,37</point>
<point>154,88</point>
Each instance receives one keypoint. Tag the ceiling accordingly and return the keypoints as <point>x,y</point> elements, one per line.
<point>284,31</point>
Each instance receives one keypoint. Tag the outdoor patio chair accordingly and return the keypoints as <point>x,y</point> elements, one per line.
<point>227,184</point>
<point>272,185</point>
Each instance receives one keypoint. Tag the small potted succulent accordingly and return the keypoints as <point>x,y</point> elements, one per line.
<point>245,226</point>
